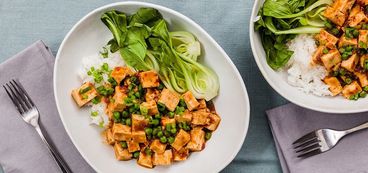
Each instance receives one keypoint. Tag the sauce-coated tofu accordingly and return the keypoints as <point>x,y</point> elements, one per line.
<point>351,89</point>
<point>145,160</point>
<point>316,58</point>
<point>169,98</point>
<point>119,73</point>
<point>150,106</point>
<point>363,80</point>
<point>163,159</point>
<point>181,139</point>
<point>338,11</point>
<point>202,104</point>
<point>166,120</point>
<point>350,63</point>
<point>139,136</point>
<point>326,39</point>
<point>84,94</point>
<point>184,117</point>
<point>152,94</point>
<point>363,39</point>
<point>121,153</point>
<point>118,103</point>
<point>190,100</point>
<point>109,137</point>
<point>157,146</point>
<point>331,59</point>
<point>362,2</point>
<point>181,155</point>
<point>356,16</point>
<point>344,41</point>
<point>334,85</point>
<point>201,117</point>
<point>214,122</point>
<point>197,140</point>
<point>362,60</point>
<point>121,132</point>
<point>139,122</point>
<point>133,146</point>
<point>149,79</point>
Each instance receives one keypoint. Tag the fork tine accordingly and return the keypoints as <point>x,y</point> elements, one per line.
<point>308,148</point>
<point>310,153</point>
<point>21,88</point>
<point>305,138</point>
<point>21,95</point>
<point>307,143</point>
<point>13,98</point>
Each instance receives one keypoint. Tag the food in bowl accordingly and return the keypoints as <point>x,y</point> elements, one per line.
<point>148,91</point>
<point>322,45</point>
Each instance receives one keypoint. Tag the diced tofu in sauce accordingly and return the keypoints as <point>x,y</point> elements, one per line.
<point>120,153</point>
<point>118,103</point>
<point>139,136</point>
<point>181,139</point>
<point>327,39</point>
<point>350,63</point>
<point>344,41</point>
<point>157,146</point>
<point>356,16</point>
<point>145,160</point>
<point>331,59</point>
<point>109,137</point>
<point>334,85</point>
<point>152,94</point>
<point>197,140</point>
<point>184,117</point>
<point>133,146</point>
<point>139,122</point>
<point>351,89</point>
<point>201,117</point>
<point>84,94</point>
<point>121,132</point>
<point>165,158</point>
<point>363,39</point>
<point>316,58</point>
<point>338,11</point>
<point>363,79</point>
<point>119,73</point>
<point>150,106</point>
<point>190,101</point>
<point>214,122</point>
<point>180,155</point>
<point>170,99</point>
<point>149,79</point>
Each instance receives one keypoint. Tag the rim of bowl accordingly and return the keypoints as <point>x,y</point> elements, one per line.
<point>256,57</point>
<point>182,17</point>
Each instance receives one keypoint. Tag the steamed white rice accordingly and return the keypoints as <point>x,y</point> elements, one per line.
<point>97,111</point>
<point>301,73</point>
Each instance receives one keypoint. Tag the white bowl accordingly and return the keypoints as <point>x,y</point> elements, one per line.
<point>89,35</point>
<point>278,80</point>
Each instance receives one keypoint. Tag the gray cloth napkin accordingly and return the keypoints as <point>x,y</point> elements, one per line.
<point>289,122</point>
<point>21,149</point>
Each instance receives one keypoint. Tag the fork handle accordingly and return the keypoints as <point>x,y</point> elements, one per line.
<point>55,154</point>
<point>357,128</point>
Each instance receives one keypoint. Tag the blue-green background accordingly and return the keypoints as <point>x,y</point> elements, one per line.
<point>23,22</point>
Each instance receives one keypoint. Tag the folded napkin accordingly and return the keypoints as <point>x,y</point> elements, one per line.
<point>289,122</point>
<point>21,149</point>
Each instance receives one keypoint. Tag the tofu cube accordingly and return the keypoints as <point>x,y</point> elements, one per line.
<point>363,39</point>
<point>118,103</point>
<point>181,155</point>
<point>334,85</point>
<point>163,159</point>
<point>152,95</point>
<point>185,117</point>
<point>363,59</point>
<point>202,104</point>
<point>84,94</point>
<point>169,98</point>
<point>133,146</point>
<point>326,39</point>
<point>181,139</point>
<point>316,58</point>
<point>139,136</point>
<point>363,80</point>
<point>166,120</point>
<point>344,41</point>
<point>362,2</point>
<point>121,132</point>
<point>338,11</point>
<point>120,153</point>
<point>331,59</point>
<point>356,16</point>
<point>351,89</point>
<point>201,117</point>
<point>149,79</point>
<point>150,106</point>
<point>350,63</point>
<point>157,146</point>
<point>139,122</point>
<point>119,73</point>
<point>190,100</point>
<point>109,137</point>
<point>214,122</point>
<point>197,140</point>
<point>145,160</point>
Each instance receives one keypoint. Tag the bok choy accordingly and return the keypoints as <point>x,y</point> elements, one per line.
<point>145,43</point>
<point>279,21</point>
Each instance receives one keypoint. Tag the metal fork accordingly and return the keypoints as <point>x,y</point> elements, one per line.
<point>321,140</point>
<point>30,114</point>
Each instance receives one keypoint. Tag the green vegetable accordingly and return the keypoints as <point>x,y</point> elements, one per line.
<point>163,139</point>
<point>148,151</point>
<point>148,131</point>
<point>128,121</point>
<point>145,43</point>
<point>124,144</point>
<point>116,116</point>
<point>84,90</point>
<point>170,140</point>
<point>96,100</point>
<point>94,113</point>
<point>136,154</point>
<point>104,53</point>
<point>365,88</point>
<point>279,21</point>
<point>363,94</point>
<point>325,51</point>
<point>208,135</point>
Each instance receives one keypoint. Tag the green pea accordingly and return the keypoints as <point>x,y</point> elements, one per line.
<point>96,100</point>
<point>136,154</point>
<point>171,140</point>
<point>168,127</point>
<point>155,131</point>
<point>148,131</point>
<point>154,122</point>
<point>116,115</point>
<point>160,87</point>
<point>365,88</point>
<point>335,31</point>
<point>345,56</point>
<point>128,121</point>
<point>167,133</point>
<point>158,116</point>
<point>173,131</point>
<point>325,51</point>
<point>328,25</point>
<point>348,80</point>
<point>160,134</point>
<point>163,139</point>
<point>125,114</point>
<point>363,94</point>
<point>137,94</point>
<point>355,33</point>
<point>148,151</point>
<point>341,50</point>
<point>124,144</point>
<point>208,135</point>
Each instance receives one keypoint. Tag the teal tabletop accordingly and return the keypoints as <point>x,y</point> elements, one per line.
<point>23,22</point>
